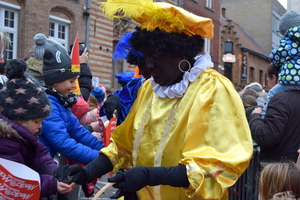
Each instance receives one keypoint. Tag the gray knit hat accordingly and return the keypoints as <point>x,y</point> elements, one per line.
<point>57,66</point>
<point>255,86</point>
<point>42,42</point>
<point>289,20</point>
<point>22,97</point>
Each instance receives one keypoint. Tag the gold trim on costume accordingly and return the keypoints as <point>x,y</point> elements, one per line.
<point>162,144</point>
<point>140,130</point>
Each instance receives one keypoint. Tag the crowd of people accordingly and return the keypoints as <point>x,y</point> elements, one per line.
<point>183,131</point>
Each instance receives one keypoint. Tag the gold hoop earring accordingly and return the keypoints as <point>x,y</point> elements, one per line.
<point>184,60</point>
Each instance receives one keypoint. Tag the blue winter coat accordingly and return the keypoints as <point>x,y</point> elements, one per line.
<point>20,145</point>
<point>287,57</point>
<point>63,134</point>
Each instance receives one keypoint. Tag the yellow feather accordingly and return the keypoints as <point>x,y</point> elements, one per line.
<point>126,8</point>
<point>165,16</point>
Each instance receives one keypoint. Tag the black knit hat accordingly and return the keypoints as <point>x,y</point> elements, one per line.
<point>22,97</point>
<point>57,66</point>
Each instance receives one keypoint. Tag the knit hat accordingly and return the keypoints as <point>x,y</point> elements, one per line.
<point>289,20</point>
<point>98,93</point>
<point>255,86</point>
<point>42,42</point>
<point>80,108</point>
<point>57,66</point>
<point>22,97</point>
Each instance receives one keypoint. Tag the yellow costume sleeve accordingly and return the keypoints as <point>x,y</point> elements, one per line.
<point>218,146</point>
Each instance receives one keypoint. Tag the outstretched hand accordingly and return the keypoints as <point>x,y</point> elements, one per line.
<point>70,173</point>
<point>64,188</point>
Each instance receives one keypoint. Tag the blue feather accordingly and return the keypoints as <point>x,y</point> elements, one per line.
<point>124,48</point>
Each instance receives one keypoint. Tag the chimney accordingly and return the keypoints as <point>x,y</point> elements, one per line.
<point>223,12</point>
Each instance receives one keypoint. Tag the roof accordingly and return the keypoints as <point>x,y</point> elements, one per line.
<point>247,43</point>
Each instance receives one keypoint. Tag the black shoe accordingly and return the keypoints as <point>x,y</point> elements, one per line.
<point>118,194</point>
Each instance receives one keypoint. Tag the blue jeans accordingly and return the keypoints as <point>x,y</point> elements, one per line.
<point>275,90</point>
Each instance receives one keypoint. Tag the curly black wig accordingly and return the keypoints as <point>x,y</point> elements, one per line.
<point>134,59</point>
<point>173,43</point>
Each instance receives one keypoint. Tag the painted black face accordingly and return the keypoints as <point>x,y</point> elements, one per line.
<point>163,67</point>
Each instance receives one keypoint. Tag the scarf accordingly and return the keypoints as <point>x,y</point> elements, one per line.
<point>67,102</point>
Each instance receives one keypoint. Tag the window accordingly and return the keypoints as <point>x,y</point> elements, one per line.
<point>208,4</point>
<point>9,24</point>
<point>228,47</point>
<point>251,75</point>
<point>261,77</point>
<point>59,30</point>
<point>206,45</point>
<point>276,36</point>
<point>266,79</point>
<point>228,70</point>
<point>116,68</point>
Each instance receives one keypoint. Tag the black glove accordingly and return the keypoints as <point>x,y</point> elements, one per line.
<point>74,173</point>
<point>71,173</point>
<point>111,104</point>
<point>139,177</point>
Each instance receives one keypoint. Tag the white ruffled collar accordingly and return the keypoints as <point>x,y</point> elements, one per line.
<point>178,89</point>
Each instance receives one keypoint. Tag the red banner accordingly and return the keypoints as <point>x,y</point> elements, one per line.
<point>18,182</point>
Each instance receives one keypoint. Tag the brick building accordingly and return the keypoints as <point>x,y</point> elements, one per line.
<point>59,19</point>
<point>242,59</point>
<point>293,5</point>
<point>260,18</point>
<point>63,19</point>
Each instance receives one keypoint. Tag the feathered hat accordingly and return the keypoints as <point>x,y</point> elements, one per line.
<point>164,16</point>
<point>124,48</point>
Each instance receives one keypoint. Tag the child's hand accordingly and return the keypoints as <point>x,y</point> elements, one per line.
<point>84,56</point>
<point>257,110</point>
<point>298,160</point>
<point>95,126</point>
<point>64,188</point>
<point>97,135</point>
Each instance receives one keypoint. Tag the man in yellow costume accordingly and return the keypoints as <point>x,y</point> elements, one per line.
<point>186,135</point>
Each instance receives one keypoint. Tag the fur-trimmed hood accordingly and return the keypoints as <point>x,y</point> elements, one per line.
<point>35,65</point>
<point>6,130</point>
<point>10,129</point>
<point>35,68</point>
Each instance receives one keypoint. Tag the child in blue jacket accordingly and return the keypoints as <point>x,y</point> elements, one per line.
<point>62,132</point>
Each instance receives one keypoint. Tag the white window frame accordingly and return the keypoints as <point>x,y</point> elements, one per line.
<point>60,21</point>
<point>276,35</point>
<point>208,4</point>
<point>4,6</point>
<point>206,45</point>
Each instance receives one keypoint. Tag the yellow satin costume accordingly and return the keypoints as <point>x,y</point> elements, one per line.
<point>206,130</point>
